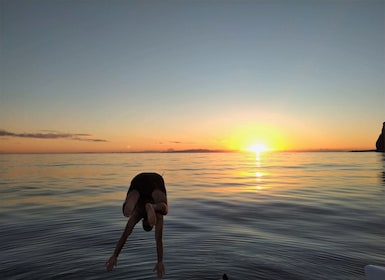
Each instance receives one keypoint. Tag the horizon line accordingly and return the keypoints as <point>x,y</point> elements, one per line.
<point>186,151</point>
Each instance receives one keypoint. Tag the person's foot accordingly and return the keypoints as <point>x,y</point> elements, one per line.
<point>151,216</point>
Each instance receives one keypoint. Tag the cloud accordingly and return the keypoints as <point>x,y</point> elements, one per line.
<point>52,135</point>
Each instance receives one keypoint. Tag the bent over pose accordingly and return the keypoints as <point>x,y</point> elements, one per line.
<point>146,200</point>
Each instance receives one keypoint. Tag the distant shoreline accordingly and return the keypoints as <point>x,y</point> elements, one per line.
<point>191,151</point>
<point>363,151</point>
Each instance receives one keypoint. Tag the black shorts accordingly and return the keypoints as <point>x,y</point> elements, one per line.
<point>145,184</point>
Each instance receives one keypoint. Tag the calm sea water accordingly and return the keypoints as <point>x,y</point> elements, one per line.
<point>275,216</point>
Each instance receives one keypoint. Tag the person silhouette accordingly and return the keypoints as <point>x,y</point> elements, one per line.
<point>146,200</point>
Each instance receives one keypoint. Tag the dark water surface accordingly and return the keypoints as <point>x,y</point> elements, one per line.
<point>275,216</point>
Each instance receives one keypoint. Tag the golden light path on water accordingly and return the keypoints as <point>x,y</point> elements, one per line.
<point>249,175</point>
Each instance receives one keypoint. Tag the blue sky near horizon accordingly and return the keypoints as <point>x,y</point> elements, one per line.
<point>191,74</point>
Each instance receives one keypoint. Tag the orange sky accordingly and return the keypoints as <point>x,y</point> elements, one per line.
<point>198,75</point>
<point>237,137</point>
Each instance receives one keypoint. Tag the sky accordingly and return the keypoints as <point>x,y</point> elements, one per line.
<point>125,76</point>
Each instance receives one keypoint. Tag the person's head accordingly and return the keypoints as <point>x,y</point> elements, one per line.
<point>146,225</point>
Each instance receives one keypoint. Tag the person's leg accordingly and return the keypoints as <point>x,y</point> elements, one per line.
<point>130,203</point>
<point>159,206</point>
<point>160,202</point>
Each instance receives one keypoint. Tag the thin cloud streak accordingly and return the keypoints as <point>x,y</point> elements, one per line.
<point>52,135</point>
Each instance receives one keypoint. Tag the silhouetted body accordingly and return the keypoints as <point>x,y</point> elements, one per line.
<point>146,200</point>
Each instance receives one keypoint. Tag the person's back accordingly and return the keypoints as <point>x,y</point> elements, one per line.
<point>146,184</point>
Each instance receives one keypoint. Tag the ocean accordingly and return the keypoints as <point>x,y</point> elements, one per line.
<point>272,216</point>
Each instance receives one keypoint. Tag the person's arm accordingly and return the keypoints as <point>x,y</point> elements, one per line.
<point>132,221</point>
<point>159,267</point>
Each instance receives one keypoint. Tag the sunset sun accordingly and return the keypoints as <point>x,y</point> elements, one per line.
<point>257,148</point>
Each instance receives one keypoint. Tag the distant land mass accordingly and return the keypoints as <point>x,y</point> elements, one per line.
<point>188,151</point>
<point>380,143</point>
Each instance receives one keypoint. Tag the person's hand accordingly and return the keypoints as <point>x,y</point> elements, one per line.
<point>159,268</point>
<point>112,261</point>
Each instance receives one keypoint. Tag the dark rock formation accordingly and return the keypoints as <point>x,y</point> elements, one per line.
<point>380,144</point>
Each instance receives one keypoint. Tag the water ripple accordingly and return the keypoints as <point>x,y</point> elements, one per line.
<point>290,216</point>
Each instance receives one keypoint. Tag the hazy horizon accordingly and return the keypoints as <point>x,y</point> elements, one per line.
<point>193,151</point>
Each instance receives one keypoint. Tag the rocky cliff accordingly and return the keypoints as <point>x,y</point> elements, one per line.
<point>380,144</point>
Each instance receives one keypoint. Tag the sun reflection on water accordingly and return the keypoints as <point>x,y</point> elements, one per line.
<point>258,178</point>
<point>258,173</point>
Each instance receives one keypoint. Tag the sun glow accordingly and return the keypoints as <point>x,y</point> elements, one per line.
<point>255,138</point>
<point>257,148</point>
